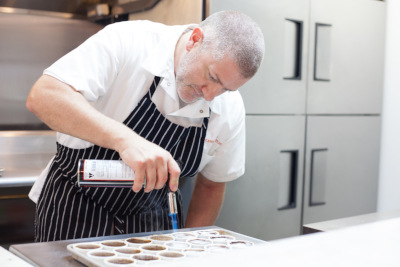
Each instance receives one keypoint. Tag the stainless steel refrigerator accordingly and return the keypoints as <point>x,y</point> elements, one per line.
<point>313,116</point>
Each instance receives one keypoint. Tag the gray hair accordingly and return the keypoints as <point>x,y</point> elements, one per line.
<point>234,34</point>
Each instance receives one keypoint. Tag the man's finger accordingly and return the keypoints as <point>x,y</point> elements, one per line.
<point>174,173</point>
<point>151,178</point>
<point>139,180</point>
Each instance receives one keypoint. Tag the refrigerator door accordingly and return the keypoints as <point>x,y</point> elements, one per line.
<point>346,57</point>
<point>279,87</point>
<point>266,202</point>
<point>342,167</point>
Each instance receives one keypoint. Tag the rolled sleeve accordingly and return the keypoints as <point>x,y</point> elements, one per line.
<point>224,155</point>
<point>91,67</point>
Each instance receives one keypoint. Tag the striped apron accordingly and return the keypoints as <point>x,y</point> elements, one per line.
<point>66,211</point>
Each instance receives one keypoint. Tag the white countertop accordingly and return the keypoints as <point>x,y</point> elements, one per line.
<point>374,244</point>
<point>9,259</point>
<point>341,223</point>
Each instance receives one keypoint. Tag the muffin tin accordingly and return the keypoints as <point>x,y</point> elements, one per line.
<point>158,248</point>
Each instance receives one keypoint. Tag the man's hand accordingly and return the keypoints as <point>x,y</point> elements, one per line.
<point>150,162</point>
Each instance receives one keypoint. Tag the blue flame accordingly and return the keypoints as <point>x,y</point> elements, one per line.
<point>174,220</point>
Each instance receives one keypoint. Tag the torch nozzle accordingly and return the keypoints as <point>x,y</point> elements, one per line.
<point>172,206</point>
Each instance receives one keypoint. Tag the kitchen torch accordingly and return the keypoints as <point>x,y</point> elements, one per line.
<point>173,210</point>
<point>172,206</point>
<point>115,173</point>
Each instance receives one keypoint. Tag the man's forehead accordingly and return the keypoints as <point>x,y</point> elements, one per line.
<point>228,73</point>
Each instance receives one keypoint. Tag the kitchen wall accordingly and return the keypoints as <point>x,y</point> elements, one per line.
<point>389,185</point>
<point>172,12</point>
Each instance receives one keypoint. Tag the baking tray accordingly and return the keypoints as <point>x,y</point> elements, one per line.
<point>187,244</point>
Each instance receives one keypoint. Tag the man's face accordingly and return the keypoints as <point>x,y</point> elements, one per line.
<point>198,76</point>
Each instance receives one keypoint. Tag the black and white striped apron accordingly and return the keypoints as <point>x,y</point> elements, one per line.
<point>66,211</point>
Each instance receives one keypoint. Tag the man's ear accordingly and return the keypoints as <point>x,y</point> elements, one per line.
<point>195,38</point>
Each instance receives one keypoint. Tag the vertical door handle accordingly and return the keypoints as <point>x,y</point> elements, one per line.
<point>318,177</point>
<point>292,49</point>
<point>289,160</point>
<point>322,52</point>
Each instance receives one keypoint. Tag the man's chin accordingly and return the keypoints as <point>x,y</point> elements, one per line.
<point>187,100</point>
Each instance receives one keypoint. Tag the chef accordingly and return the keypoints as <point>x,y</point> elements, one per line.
<point>150,95</point>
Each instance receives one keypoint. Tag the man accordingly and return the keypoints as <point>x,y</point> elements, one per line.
<point>151,95</point>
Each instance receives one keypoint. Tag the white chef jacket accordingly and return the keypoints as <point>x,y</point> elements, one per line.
<point>113,70</point>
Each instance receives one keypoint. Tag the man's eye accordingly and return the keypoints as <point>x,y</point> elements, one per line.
<point>212,78</point>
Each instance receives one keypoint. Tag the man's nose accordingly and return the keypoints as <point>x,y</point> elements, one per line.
<point>210,91</point>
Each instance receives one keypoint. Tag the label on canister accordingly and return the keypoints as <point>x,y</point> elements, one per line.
<point>104,172</point>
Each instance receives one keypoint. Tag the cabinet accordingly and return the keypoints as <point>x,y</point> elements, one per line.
<point>345,69</point>
<point>313,116</point>
<point>266,202</point>
<point>341,172</point>
<point>281,76</point>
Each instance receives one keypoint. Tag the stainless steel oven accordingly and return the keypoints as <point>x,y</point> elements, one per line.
<point>29,44</point>
<point>23,156</point>
<point>17,216</point>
